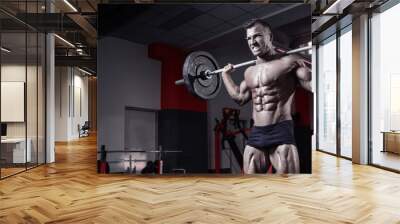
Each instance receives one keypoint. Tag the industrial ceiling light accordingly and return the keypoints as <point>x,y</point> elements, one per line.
<point>70,5</point>
<point>84,71</point>
<point>80,51</point>
<point>65,41</point>
<point>331,7</point>
<point>79,44</point>
<point>5,50</point>
<point>337,7</point>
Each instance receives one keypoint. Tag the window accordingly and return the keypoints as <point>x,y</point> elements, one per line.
<point>345,92</point>
<point>327,95</point>
<point>385,88</point>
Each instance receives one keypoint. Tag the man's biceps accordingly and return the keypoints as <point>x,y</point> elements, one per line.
<point>243,86</point>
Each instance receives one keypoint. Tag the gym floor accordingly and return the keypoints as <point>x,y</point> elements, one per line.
<point>70,191</point>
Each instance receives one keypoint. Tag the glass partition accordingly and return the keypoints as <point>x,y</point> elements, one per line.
<point>22,90</point>
<point>326,95</point>
<point>14,153</point>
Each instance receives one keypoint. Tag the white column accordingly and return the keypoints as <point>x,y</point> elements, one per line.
<point>360,89</point>
<point>50,93</point>
<point>314,90</point>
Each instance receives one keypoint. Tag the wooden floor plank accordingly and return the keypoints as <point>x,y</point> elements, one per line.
<point>70,191</point>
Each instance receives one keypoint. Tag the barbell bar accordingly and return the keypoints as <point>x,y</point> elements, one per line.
<point>208,73</point>
<point>179,82</point>
<point>201,73</point>
<point>253,62</point>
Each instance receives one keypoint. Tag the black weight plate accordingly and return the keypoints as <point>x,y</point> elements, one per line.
<point>196,64</point>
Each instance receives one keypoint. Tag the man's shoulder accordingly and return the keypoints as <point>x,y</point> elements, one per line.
<point>291,57</point>
<point>249,69</point>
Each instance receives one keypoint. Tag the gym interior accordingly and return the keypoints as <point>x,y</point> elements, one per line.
<point>95,128</point>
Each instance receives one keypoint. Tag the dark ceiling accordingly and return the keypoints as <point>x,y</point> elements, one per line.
<point>189,26</point>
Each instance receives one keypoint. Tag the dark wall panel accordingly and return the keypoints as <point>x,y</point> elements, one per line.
<point>184,131</point>
<point>303,127</point>
<point>303,135</point>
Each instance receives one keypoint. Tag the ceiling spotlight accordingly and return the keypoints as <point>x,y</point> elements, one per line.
<point>5,50</point>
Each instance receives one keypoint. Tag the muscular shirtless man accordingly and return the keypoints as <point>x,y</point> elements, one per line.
<point>271,85</point>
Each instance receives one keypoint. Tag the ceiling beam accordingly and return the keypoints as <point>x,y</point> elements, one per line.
<point>84,61</point>
<point>80,20</point>
<point>88,29</point>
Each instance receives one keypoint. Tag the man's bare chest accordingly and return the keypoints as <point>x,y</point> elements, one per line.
<point>269,74</point>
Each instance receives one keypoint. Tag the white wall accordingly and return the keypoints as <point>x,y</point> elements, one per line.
<point>16,72</point>
<point>80,83</point>
<point>61,103</point>
<point>68,82</point>
<point>126,77</point>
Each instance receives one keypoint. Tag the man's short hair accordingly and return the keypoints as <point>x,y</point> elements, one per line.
<point>252,22</point>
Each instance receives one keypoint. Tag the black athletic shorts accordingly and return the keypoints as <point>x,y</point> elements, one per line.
<point>265,137</point>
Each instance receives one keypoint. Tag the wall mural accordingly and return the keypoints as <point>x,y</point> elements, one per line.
<point>204,88</point>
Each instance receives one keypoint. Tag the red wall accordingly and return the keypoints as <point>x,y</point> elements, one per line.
<point>304,106</point>
<point>173,96</point>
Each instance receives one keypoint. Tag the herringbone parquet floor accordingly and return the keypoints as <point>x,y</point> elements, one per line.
<point>70,191</point>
